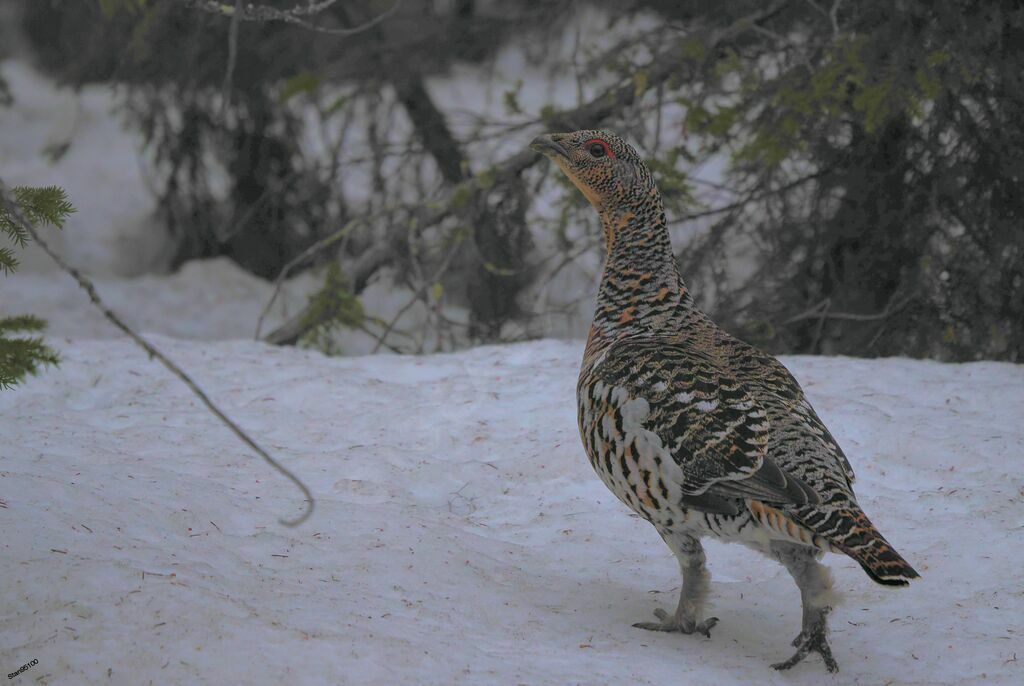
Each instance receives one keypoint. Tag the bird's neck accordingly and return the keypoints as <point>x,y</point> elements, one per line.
<point>641,290</point>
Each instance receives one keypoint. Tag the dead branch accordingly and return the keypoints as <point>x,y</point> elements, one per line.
<point>85,284</point>
<point>594,113</point>
<point>229,72</point>
<point>822,311</point>
<point>262,13</point>
<point>306,254</point>
<point>366,266</point>
<point>750,197</point>
<point>420,293</point>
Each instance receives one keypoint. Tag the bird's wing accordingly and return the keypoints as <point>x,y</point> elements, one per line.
<point>713,427</point>
<point>798,431</point>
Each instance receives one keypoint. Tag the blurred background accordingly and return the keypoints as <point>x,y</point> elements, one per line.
<point>353,175</point>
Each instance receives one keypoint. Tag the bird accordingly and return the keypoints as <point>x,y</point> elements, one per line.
<point>699,433</point>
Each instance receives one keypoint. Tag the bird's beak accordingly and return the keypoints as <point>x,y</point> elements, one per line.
<point>549,146</point>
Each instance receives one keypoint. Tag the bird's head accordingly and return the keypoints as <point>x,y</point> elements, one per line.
<point>606,169</point>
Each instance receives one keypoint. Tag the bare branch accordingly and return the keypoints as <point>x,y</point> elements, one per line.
<point>822,311</point>
<point>833,16</point>
<point>592,114</point>
<point>309,252</point>
<point>817,7</point>
<point>262,13</point>
<point>751,197</point>
<point>366,266</point>
<point>419,293</point>
<point>11,206</point>
<point>229,73</point>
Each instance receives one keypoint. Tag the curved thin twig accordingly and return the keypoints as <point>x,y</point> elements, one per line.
<point>85,284</point>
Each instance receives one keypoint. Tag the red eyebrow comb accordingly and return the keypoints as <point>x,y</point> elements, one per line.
<point>603,144</point>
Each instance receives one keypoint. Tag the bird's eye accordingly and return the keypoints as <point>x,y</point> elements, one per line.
<point>598,148</point>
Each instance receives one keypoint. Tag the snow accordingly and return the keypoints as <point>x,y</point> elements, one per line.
<point>113,230</point>
<point>460,535</point>
<point>205,299</point>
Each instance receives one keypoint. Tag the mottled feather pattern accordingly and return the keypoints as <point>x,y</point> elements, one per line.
<point>690,427</point>
<point>696,431</point>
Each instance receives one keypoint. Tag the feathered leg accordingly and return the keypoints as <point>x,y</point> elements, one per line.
<point>815,585</point>
<point>687,617</point>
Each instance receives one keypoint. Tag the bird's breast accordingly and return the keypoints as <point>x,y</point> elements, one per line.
<point>630,459</point>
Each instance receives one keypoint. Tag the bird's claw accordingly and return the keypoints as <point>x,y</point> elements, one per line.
<point>807,642</point>
<point>671,624</point>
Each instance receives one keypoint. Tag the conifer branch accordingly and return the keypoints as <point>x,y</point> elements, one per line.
<point>13,210</point>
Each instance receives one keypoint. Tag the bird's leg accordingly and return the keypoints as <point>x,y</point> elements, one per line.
<point>687,617</point>
<point>815,584</point>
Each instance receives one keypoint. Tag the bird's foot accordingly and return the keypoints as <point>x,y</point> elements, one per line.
<point>673,624</point>
<point>808,641</point>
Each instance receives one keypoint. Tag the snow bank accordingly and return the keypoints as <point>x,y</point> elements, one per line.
<point>103,171</point>
<point>206,299</point>
<point>460,535</point>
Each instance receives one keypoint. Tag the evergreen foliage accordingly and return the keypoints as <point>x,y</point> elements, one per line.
<point>871,203</point>
<point>22,351</point>
<point>876,148</point>
<point>332,306</point>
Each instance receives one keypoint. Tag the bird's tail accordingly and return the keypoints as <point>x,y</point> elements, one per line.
<point>861,540</point>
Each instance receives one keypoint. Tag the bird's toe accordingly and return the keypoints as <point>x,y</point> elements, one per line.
<point>665,623</point>
<point>808,642</point>
<point>669,623</point>
<point>655,626</point>
<point>706,626</point>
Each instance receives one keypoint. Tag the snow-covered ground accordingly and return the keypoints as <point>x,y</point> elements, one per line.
<point>460,535</point>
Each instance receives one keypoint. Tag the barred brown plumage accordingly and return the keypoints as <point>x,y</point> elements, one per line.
<point>696,431</point>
